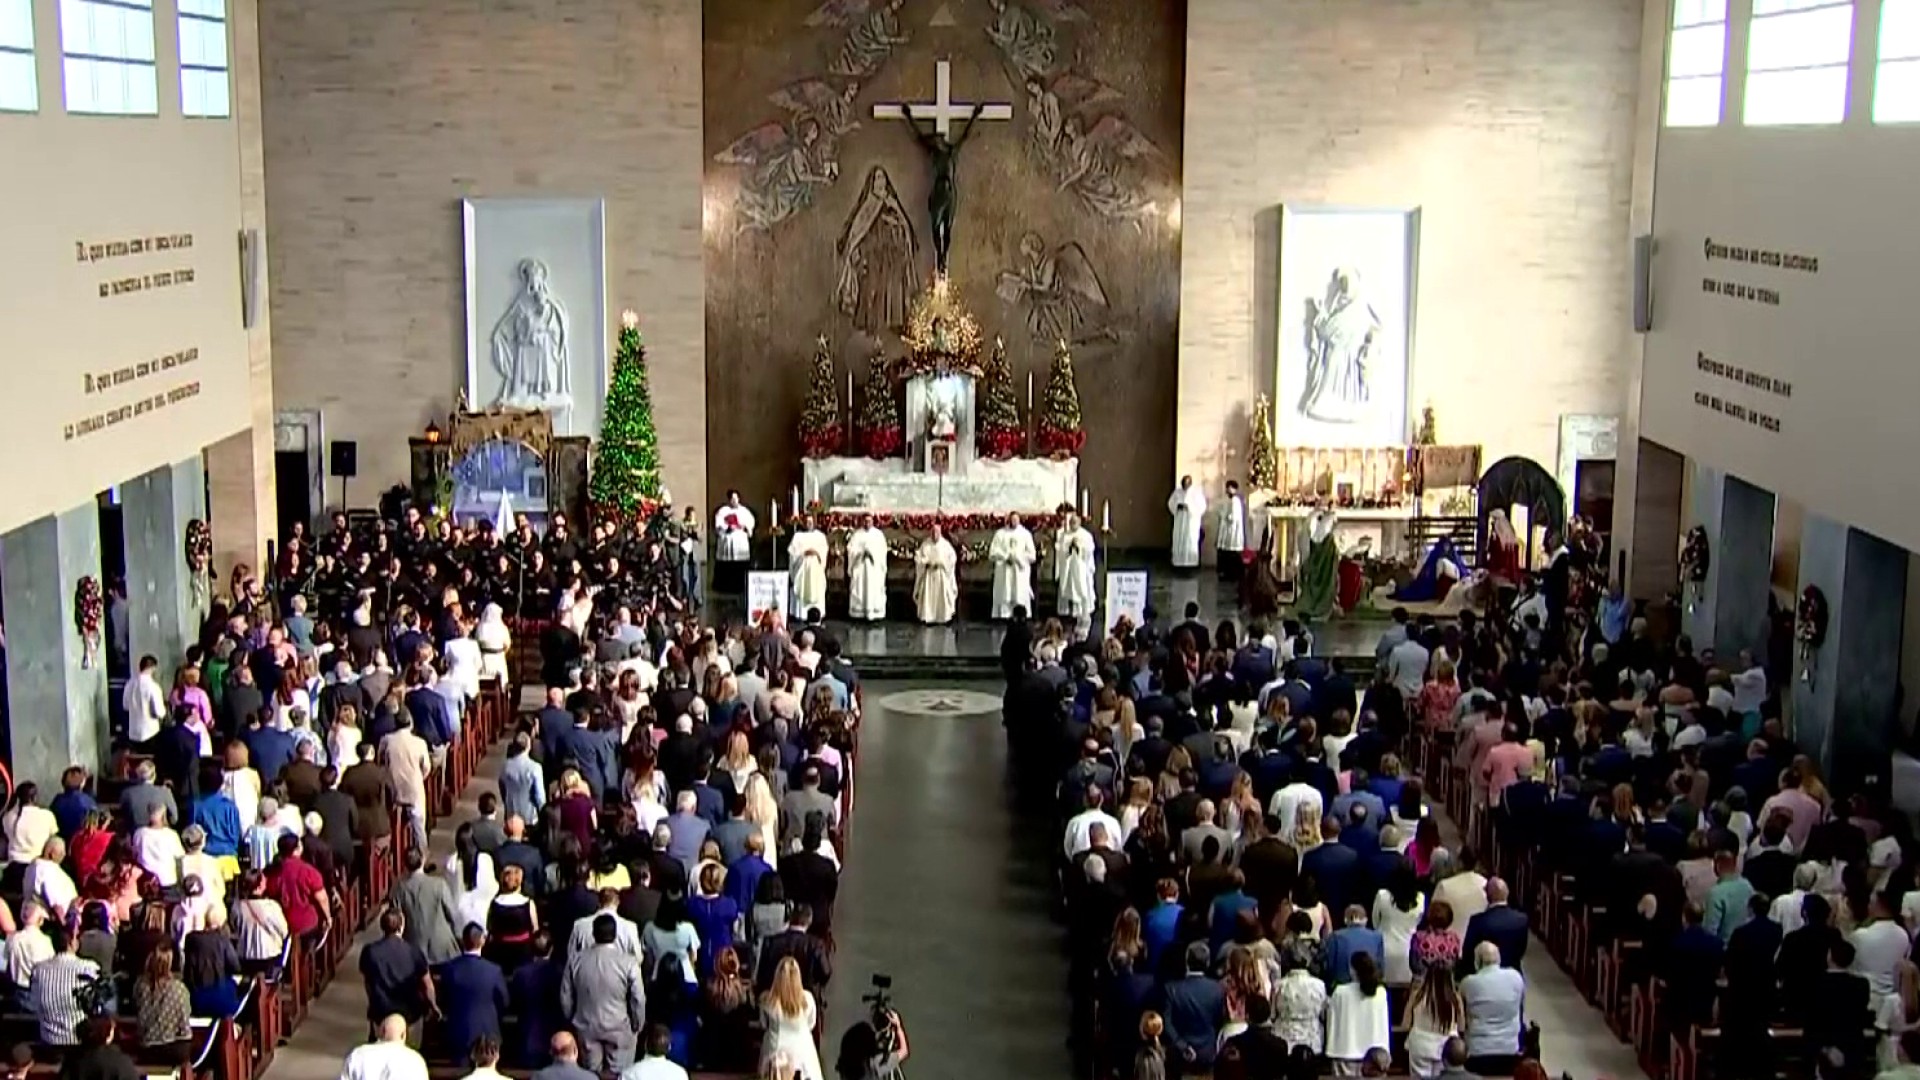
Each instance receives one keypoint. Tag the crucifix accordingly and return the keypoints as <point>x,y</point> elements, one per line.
<point>943,150</point>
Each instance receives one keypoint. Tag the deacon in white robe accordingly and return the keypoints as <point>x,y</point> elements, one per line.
<point>935,589</point>
<point>807,569</point>
<point>1076,575</point>
<point>733,545</point>
<point>867,572</point>
<point>1012,554</point>
<point>1188,505</point>
<point>1230,533</point>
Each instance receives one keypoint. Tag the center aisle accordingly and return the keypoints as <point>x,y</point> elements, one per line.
<point>947,890</point>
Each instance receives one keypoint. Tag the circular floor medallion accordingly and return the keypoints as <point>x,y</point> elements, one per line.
<point>940,703</point>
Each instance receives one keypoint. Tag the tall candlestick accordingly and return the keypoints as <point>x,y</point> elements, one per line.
<point>773,515</point>
<point>849,395</point>
<point>796,500</point>
<point>1029,391</point>
<point>1106,515</point>
<point>1086,502</point>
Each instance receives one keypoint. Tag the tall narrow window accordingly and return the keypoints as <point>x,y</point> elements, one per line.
<point>204,75</point>
<point>1696,61</point>
<point>107,46</point>
<point>1896,86</point>
<point>19,91</point>
<point>1797,54</point>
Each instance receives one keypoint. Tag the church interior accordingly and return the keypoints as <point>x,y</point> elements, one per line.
<point>1333,305</point>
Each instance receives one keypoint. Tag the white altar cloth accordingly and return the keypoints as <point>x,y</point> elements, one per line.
<point>1384,529</point>
<point>1027,485</point>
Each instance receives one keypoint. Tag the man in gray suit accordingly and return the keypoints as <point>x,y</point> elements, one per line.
<point>1194,837</point>
<point>602,996</point>
<point>803,800</point>
<point>427,903</point>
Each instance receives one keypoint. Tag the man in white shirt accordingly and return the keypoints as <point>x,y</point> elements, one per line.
<point>1786,908</point>
<point>1080,826</point>
<point>1878,948</point>
<point>28,946</point>
<point>145,702</point>
<point>48,882</point>
<point>1749,686</point>
<point>389,1058</point>
<point>654,1065</point>
<point>158,848</point>
<point>1286,804</point>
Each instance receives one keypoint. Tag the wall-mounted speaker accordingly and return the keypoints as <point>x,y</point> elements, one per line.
<point>1642,283</point>
<point>249,277</point>
<point>343,458</point>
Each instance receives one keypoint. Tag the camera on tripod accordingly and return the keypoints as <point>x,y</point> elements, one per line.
<point>879,1001</point>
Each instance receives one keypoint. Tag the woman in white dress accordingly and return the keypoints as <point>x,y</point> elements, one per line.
<point>494,639</point>
<point>1397,912</point>
<point>788,1012</point>
<point>1433,1017</point>
<point>764,812</point>
<point>470,872</point>
<point>1358,1020</point>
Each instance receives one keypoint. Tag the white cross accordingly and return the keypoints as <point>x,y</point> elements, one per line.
<point>943,110</point>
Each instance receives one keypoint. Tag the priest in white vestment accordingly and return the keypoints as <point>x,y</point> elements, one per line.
<point>936,590</point>
<point>733,545</point>
<point>1076,575</point>
<point>1188,505</point>
<point>867,572</point>
<point>1013,555</point>
<point>807,569</point>
<point>1230,533</point>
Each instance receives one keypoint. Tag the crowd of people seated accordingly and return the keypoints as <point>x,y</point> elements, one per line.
<point>1254,875</point>
<point>680,791</point>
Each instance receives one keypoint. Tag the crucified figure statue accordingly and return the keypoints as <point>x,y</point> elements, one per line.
<point>943,154</point>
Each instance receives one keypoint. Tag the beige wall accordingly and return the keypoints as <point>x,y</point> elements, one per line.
<point>94,180</point>
<point>1509,123</point>
<point>381,115</point>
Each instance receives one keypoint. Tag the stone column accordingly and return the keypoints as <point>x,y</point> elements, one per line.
<point>1844,695</point>
<point>163,612</point>
<point>1704,487</point>
<point>57,701</point>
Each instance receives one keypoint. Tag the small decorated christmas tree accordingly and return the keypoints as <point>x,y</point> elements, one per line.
<point>1060,432</point>
<point>1263,460</point>
<point>1000,431</point>
<point>820,432</point>
<point>626,459</point>
<point>881,435</point>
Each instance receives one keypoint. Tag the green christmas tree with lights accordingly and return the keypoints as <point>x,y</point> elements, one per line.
<point>820,432</point>
<point>1060,432</point>
<point>626,460</point>
<point>999,424</point>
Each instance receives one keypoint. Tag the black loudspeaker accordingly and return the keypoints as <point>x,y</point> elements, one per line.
<point>343,456</point>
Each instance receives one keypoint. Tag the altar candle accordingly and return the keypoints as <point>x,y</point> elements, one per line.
<point>796,500</point>
<point>1086,502</point>
<point>1029,391</point>
<point>849,392</point>
<point>773,515</point>
<point>1106,515</point>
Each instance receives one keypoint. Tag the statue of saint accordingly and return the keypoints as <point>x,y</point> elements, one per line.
<point>943,154</point>
<point>530,346</point>
<point>1340,338</point>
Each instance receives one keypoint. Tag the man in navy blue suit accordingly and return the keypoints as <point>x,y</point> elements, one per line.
<point>473,995</point>
<point>1333,866</point>
<point>1253,665</point>
<point>1505,926</point>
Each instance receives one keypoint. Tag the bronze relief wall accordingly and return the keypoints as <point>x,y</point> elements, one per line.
<point>1065,213</point>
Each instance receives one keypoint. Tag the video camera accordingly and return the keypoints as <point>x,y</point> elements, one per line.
<point>879,1002</point>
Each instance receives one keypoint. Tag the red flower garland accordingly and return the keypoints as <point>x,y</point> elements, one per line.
<point>89,607</point>
<point>1810,619</point>
<point>823,443</point>
<point>924,521</point>
<point>1060,444</point>
<point>1000,444</point>
<point>884,442</point>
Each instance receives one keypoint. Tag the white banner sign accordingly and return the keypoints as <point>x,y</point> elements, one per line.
<point>1126,595</point>
<point>766,591</point>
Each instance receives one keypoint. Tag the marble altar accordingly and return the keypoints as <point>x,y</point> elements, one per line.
<point>1383,530</point>
<point>1027,485</point>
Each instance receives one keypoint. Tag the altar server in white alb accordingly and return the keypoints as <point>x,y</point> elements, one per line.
<point>1013,556</point>
<point>733,545</point>
<point>935,589</point>
<point>1075,580</point>
<point>807,569</point>
<point>1188,505</point>
<point>867,572</point>
<point>1230,533</point>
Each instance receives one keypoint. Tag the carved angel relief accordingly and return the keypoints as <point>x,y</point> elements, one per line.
<point>1059,292</point>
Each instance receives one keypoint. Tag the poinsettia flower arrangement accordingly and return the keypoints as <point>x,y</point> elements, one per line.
<point>89,610</point>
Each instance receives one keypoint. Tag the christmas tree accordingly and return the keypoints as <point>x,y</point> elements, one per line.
<point>820,434</point>
<point>1263,462</point>
<point>881,435</point>
<point>1060,432</point>
<point>626,460</point>
<point>1000,431</point>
